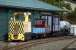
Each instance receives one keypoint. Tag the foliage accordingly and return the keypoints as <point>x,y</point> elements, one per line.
<point>53,2</point>
<point>72,16</point>
<point>67,6</point>
<point>60,3</point>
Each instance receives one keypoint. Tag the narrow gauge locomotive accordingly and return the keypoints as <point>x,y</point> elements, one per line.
<point>18,26</point>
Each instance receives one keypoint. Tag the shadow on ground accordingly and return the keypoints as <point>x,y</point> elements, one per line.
<point>69,49</point>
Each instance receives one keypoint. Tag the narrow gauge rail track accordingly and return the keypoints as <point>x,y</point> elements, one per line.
<point>35,42</point>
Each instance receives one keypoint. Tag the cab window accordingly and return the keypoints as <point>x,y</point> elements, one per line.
<point>19,17</point>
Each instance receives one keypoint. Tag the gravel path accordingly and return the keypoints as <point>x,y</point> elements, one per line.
<point>54,45</point>
<point>57,45</point>
<point>2,44</point>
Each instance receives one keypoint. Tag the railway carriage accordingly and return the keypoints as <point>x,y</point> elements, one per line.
<point>45,25</point>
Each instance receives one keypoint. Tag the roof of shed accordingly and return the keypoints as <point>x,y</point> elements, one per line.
<point>29,4</point>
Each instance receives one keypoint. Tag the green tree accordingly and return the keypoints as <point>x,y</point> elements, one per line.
<point>58,3</point>
<point>72,16</point>
<point>67,6</point>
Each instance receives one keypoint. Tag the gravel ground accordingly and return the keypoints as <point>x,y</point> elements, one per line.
<point>57,45</point>
<point>2,44</point>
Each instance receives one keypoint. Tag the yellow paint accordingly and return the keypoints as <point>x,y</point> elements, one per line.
<point>20,35</point>
<point>27,18</point>
<point>11,37</point>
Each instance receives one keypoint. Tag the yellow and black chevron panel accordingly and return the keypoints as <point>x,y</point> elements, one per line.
<point>21,26</point>
<point>20,32</point>
<point>10,25</point>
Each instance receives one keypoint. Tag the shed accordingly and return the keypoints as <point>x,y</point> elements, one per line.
<point>7,5</point>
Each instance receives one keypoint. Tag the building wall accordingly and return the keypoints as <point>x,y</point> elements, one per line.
<point>3,22</point>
